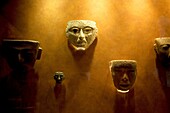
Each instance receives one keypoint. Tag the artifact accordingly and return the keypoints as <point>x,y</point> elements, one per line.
<point>162,49</point>
<point>59,77</point>
<point>81,33</point>
<point>20,53</point>
<point>19,87</point>
<point>124,74</point>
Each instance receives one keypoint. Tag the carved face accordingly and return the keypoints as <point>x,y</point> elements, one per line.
<point>20,53</point>
<point>123,74</point>
<point>81,33</point>
<point>162,49</point>
<point>59,77</point>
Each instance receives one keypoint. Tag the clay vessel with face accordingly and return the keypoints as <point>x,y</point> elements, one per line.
<point>162,49</point>
<point>123,74</point>
<point>21,53</point>
<point>59,77</point>
<point>81,33</point>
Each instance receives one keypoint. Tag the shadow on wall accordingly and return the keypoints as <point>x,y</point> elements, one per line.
<point>60,94</point>
<point>125,102</point>
<point>3,3</point>
<point>164,77</point>
<point>84,58</point>
<point>56,97</point>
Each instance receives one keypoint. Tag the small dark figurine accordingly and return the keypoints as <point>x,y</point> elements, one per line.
<point>59,77</point>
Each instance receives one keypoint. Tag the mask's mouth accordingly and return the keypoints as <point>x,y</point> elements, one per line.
<point>59,81</point>
<point>124,86</point>
<point>81,44</point>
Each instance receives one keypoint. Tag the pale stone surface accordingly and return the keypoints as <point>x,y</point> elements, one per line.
<point>81,33</point>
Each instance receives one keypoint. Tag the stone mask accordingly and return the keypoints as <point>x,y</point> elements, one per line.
<point>123,74</point>
<point>162,49</point>
<point>59,77</point>
<point>81,33</point>
<point>21,53</point>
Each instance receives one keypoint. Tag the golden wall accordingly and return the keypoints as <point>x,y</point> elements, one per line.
<point>126,30</point>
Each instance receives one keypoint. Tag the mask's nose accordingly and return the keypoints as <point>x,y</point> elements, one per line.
<point>125,78</point>
<point>20,58</point>
<point>81,37</point>
<point>59,78</point>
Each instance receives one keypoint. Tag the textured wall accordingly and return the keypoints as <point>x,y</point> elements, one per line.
<point>127,29</point>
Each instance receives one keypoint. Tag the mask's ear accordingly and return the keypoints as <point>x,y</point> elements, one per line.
<point>156,48</point>
<point>39,53</point>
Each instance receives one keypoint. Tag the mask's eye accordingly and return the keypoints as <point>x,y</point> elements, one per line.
<point>165,47</point>
<point>75,30</point>
<point>87,30</point>
<point>61,76</point>
<point>118,70</point>
<point>131,71</point>
<point>28,54</point>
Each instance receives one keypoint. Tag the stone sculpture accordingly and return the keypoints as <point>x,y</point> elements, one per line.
<point>81,34</point>
<point>59,77</point>
<point>19,86</point>
<point>162,49</point>
<point>124,74</point>
<point>21,53</point>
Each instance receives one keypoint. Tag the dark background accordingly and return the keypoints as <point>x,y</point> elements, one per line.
<point>126,30</point>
